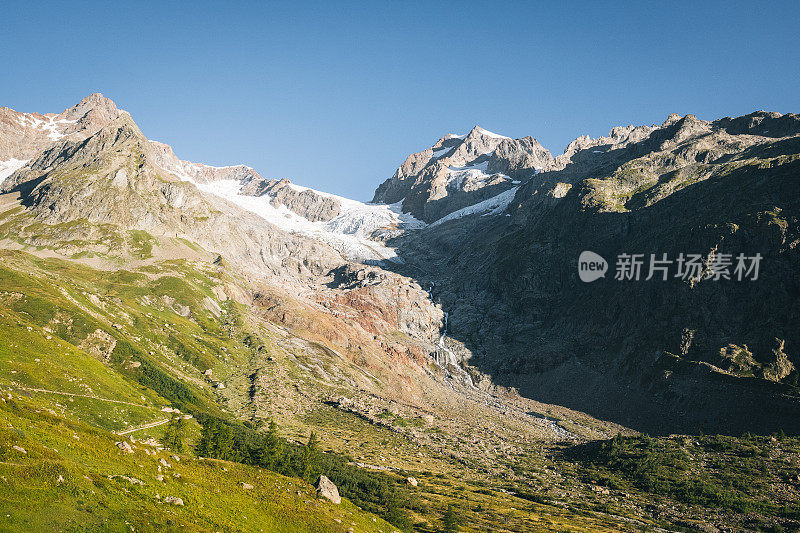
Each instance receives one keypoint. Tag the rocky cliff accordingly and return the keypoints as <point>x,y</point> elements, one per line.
<point>675,355</point>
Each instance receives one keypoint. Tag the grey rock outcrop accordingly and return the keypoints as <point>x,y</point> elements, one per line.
<point>173,500</point>
<point>163,156</point>
<point>305,202</point>
<point>124,446</point>
<point>326,489</point>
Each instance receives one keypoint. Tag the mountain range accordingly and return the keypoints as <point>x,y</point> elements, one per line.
<point>448,312</point>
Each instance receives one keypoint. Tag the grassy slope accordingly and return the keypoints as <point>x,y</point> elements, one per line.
<point>49,307</point>
<point>47,310</point>
<point>62,483</point>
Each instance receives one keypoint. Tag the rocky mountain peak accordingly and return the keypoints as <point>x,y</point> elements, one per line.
<point>479,131</point>
<point>671,119</point>
<point>23,135</point>
<point>96,106</point>
<point>459,171</point>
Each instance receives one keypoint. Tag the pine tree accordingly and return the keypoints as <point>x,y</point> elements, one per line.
<point>216,440</point>
<point>451,520</point>
<point>310,458</point>
<point>273,448</point>
<point>174,435</point>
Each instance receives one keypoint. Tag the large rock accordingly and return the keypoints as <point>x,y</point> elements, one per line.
<point>326,489</point>
<point>174,500</point>
<point>124,446</point>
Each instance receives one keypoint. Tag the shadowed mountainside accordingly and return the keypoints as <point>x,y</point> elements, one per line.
<point>661,356</point>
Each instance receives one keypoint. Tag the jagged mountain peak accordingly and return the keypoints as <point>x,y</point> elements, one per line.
<point>459,171</point>
<point>24,135</point>
<point>96,104</point>
<point>671,119</point>
<point>479,131</point>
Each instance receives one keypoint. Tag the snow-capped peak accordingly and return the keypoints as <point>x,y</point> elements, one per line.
<point>488,133</point>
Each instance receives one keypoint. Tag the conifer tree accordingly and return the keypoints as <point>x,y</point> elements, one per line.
<point>175,434</point>
<point>309,459</point>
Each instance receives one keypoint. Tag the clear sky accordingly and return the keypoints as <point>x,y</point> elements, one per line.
<point>334,95</point>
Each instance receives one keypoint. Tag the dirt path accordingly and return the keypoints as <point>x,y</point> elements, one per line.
<point>30,389</point>
<point>145,426</point>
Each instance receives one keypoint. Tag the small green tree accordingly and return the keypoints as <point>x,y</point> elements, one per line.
<point>267,450</point>
<point>451,520</point>
<point>273,447</point>
<point>309,459</point>
<point>175,434</point>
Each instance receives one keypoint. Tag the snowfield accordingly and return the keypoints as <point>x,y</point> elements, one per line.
<point>491,206</point>
<point>9,167</point>
<point>351,232</point>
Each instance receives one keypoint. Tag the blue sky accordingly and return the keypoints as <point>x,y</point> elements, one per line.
<point>334,95</point>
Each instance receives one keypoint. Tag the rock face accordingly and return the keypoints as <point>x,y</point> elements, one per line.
<point>163,156</point>
<point>24,135</point>
<point>115,176</point>
<point>675,355</point>
<point>305,202</point>
<point>326,489</point>
<point>460,171</point>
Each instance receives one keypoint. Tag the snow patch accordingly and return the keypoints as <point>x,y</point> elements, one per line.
<point>492,206</point>
<point>348,233</point>
<point>9,167</point>
<point>477,173</point>
<point>50,125</point>
<point>491,134</point>
<point>441,152</point>
<point>482,167</point>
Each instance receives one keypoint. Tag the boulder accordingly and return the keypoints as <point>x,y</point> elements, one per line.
<point>174,500</point>
<point>124,446</point>
<point>326,489</point>
<point>412,481</point>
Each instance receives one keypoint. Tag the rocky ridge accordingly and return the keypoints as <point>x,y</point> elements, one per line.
<point>305,202</point>
<point>665,357</point>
